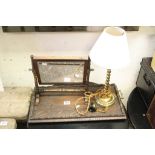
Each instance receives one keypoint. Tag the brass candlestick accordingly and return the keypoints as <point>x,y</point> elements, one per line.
<point>106,98</point>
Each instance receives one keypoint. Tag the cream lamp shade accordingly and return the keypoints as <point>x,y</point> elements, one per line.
<point>111,49</point>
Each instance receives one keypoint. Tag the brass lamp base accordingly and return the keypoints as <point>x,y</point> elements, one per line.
<point>106,98</point>
<point>106,101</point>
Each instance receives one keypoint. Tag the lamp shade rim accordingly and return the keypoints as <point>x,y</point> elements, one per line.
<point>114,31</point>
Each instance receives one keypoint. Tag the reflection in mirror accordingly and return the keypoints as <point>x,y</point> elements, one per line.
<point>61,28</point>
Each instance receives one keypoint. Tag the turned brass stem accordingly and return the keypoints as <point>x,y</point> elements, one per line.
<point>106,87</point>
<point>106,98</point>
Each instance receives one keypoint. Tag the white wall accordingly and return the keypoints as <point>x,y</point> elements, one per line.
<point>16,48</point>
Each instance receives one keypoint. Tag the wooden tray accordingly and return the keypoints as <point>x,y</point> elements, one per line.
<point>60,107</point>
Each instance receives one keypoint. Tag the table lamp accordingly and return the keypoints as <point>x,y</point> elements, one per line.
<point>110,52</point>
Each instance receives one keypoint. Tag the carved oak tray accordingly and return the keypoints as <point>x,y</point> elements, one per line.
<point>60,107</point>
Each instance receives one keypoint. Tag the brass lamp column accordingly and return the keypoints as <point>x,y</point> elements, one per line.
<point>106,98</point>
